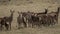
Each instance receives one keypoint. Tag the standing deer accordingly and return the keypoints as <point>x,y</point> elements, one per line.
<point>54,16</point>
<point>20,20</point>
<point>40,18</point>
<point>58,10</point>
<point>10,18</point>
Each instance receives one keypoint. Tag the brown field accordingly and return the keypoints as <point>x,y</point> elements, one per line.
<point>36,6</point>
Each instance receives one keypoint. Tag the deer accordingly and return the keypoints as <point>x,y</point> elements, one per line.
<point>10,18</point>
<point>3,23</point>
<point>40,18</point>
<point>54,16</point>
<point>20,20</point>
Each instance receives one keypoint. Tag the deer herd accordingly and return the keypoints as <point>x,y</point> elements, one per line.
<point>31,19</point>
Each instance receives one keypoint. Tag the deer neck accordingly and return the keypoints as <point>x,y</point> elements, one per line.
<point>20,15</point>
<point>58,11</point>
<point>11,16</point>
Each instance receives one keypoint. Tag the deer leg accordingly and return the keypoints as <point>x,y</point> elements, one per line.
<point>19,25</point>
<point>25,25</point>
<point>29,22</point>
<point>1,27</point>
<point>33,24</point>
<point>10,25</point>
<point>7,26</point>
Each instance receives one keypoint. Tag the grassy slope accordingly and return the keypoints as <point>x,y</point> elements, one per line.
<point>36,6</point>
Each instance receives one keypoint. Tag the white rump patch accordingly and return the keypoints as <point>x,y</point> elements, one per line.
<point>7,22</point>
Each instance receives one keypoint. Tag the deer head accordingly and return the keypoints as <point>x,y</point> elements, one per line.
<point>12,11</point>
<point>20,13</point>
<point>46,10</point>
<point>58,9</point>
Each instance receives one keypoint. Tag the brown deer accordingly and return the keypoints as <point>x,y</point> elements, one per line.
<point>10,18</point>
<point>39,18</point>
<point>27,18</point>
<point>54,16</point>
<point>20,20</point>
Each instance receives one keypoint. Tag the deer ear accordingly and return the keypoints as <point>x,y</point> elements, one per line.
<point>13,11</point>
<point>18,12</point>
<point>58,9</point>
<point>10,10</point>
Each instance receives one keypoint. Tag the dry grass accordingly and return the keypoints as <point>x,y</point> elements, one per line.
<point>44,30</point>
<point>37,6</point>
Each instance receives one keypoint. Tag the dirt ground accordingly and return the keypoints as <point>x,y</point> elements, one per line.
<point>24,6</point>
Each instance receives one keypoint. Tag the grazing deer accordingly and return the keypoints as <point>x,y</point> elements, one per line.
<point>10,18</point>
